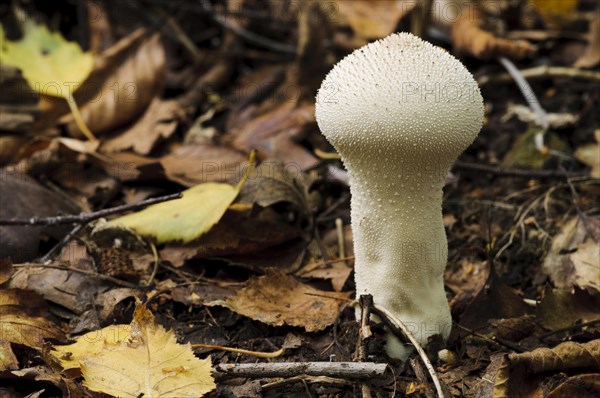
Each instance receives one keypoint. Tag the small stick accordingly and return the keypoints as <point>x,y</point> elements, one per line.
<point>85,218</point>
<point>401,330</point>
<point>344,370</point>
<point>364,333</point>
<point>258,354</point>
<point>541,72</point>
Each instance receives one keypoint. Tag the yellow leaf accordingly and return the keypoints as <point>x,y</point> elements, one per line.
<point>141,358</point>
<point>51,65</point>
<point>183,219</point>
<point>187,218</point>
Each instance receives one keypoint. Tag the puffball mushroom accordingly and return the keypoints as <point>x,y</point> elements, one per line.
<point>400,111</point>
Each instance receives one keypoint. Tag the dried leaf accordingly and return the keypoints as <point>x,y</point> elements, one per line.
<point>591,57</point>
<point>23,320</point>
<point>564,308</point>
<point>277,299</point>
<point>578,386</point>
<point>195,164</point>
<point>370,19</point>
<point>46,59</point>
<point>469,38</point>
<point>565,356</point>
<point>573,259</point>
<point>158,123</point>
<point>183,219</point>
<point>588,154</point>
<point>21,197</point>
<point>275,135</point>
<point>140,358</point>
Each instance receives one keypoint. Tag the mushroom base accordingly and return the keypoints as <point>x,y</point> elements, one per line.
<point>400,255</point>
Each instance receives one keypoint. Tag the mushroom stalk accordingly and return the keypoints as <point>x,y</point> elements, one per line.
<point>400,111</point>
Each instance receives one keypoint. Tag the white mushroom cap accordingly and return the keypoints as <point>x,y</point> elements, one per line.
<point>400,111</point>
<point>400,92</point>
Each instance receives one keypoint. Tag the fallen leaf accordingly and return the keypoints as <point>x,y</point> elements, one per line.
<point>184,219</point>
<point>41,375</point>
<point>561,308</point>
<point>573,259</point>
<point>495,300</point>
<point>158,123</point>
<point>524,152</point>
<point>140,358</point>
<point>568,355</point>
<point>276,135</point>
<point>195,164</point>
<point>468,37</point>
<point>555,13</point>
<point>22,197</point>
<point>591,57</point>
<point>577,386</point>
<point>588,154</point>
<point>46,59</point>
<point>277,299</point>
<point>23,320</point>
<point>370,19</point>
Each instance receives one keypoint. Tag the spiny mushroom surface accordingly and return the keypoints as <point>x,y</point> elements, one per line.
<point>400,111</point>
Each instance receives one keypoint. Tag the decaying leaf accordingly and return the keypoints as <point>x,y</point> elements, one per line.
<point>524,152</point>
<point>588,154</point>
<point>140,358</point>
<point>578,386</point>
<point>184,219</point>
<point>495,300</point>
<point>469,37</point>
<point>573,258</point>
<point>158,123</point>
<point>277,299</point>
<point>49,63</point>
<point>23,320</point>
<point>195,164</point>
<point>562,308</point>
<point>591,57</point>
<point>369,19</point>
<point>21,197</point>
<point>275,135</point>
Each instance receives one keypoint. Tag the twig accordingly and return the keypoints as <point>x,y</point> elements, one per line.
<point>85,218</point>
<point>250,36</point>
<point>493,339</point>
<point>345,370</point>
<point>304,379</point>
<point>512,172</point>
<point>540,72</point>
<point>62,243</point>
<point>81,271</point>
<point>400,330</point>
<point>364,333</point>
<point>568,328</point>
<point>258,354</point>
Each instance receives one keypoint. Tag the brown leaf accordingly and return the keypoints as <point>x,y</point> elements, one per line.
<point>573,259</point>
<point>495,300</point>
<point>21,197</point>
<point>565,356</point>
<point>277,299</point>
<point>468,37</point>
<point>190,165</point>
<point>370,19</point>
<point>561,308</point>
<point>578,386</point>
<point>158,123</point>
<point>24,320</point>
<point>276,135</point>
<point>591,57</point>
<point>125,79</point>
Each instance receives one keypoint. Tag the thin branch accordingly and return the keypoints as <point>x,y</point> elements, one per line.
<point>512,172</point>
<point>540,72</point>
<point>399,330</point>
<point>85,218</point>
<point>345,370</point>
